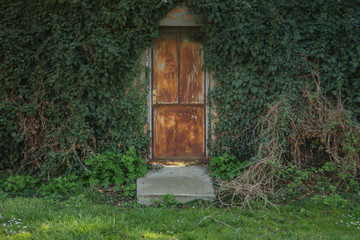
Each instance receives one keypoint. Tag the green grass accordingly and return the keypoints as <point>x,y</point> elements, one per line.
<point>76,219</point>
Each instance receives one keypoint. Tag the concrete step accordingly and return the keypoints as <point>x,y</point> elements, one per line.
<point>185,183</point>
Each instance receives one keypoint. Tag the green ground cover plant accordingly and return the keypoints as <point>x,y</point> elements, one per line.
<point>226,167</point>
<point>34,218</point>
<point>20,183</point>
<point>115,168</point>
<point>111,172</point>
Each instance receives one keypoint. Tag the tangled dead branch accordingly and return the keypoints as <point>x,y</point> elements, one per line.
<point>315,133</point>
<point>41,138</point>
<point>260,178</point>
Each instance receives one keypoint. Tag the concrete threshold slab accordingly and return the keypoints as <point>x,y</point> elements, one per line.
<point>186,183</point>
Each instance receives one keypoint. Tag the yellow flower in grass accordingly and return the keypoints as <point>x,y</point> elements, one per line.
<point>277,229</point>
<point>67,204</point>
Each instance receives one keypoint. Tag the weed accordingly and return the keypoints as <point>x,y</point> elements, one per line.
<point>3,195</point>
<point>12,226</point>
<point>334,200</point>
<point>349,221</point>
<point>226,167</point>
<point>115,168</point>
<point>20,183</point>
<point>167,201</point>
<point>62,185</point>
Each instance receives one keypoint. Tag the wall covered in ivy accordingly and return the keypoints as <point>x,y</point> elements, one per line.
<point>69,71</point>
<point>68,80</point>
<point>261,51</point>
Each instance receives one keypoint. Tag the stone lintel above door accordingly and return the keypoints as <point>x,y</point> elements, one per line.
<point>180,17</point>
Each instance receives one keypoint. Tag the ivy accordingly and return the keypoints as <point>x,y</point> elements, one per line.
<point>70,80</point>
<point>261,50</point>
<point>70,71</point>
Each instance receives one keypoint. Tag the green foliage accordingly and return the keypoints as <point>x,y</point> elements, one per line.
<point>115,168</point>
<point>19,183</point>
<point>226,167</point>
<point>70,72</point>
<point>129,190</point>
<point>334,200</point>
<point>70,80</point>
<point>62,185</point>
<point>260,50</point>
<point>78,201</point>
<point>3,195</point>
<point>169,201</point>
<point>308,180</point>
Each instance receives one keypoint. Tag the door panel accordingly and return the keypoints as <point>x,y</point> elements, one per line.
<point>191,77</point>
<point>178,98</point>
<point>166,68</point>
<point>179,131</point>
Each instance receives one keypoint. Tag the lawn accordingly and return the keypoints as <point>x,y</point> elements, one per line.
<point>77,218</point>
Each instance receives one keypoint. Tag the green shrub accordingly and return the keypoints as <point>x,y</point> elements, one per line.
<point>19,183</point>
<point>115,168</point>
<point>226,167</point>
<point>333,200</point>
<point>3,195</point>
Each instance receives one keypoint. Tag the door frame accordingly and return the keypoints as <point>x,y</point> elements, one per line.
<point>207,86</point>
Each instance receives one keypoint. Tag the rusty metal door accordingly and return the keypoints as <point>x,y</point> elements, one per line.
<point>178,98</point>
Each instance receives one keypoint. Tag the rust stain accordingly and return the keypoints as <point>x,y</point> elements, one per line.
<point>191,77</point>
<point>179,125</point>
<point>170,17</point>
<point>179,131</point>
<point>166,68</point>
<point>177,10</point>
<point>189,16</point>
